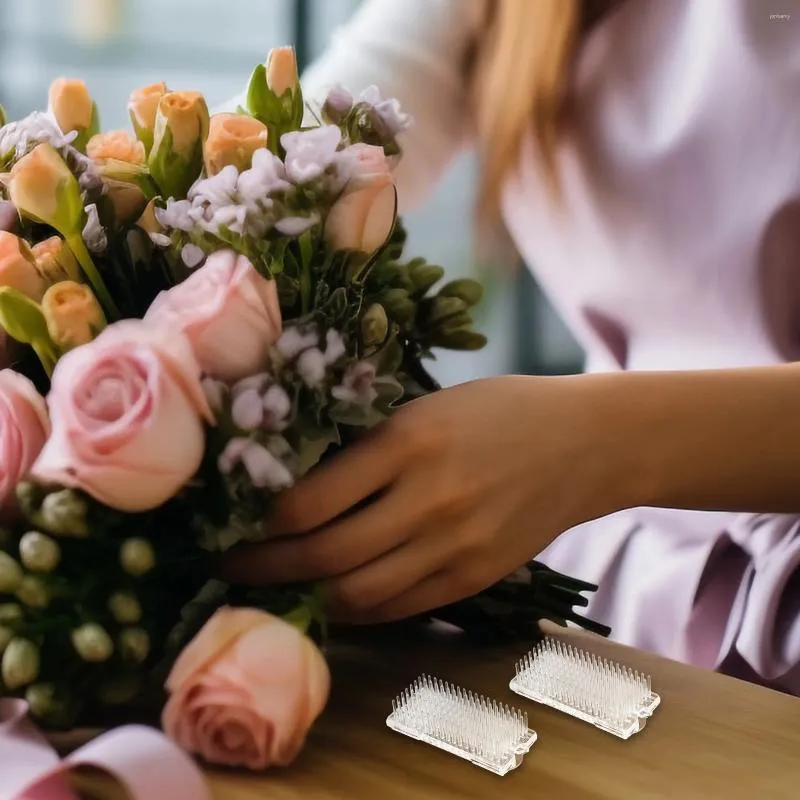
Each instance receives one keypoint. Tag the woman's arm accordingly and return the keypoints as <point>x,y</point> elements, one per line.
<point>724,440</point>
<point>416,51</point>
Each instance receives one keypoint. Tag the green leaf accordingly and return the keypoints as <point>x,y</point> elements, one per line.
<point>313,445</point>
<point>23,320</point>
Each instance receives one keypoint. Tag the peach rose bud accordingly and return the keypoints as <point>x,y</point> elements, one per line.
<point>73,109</point>
<point>273,92</point>
<point>181,128</point>
<point>282,70</point>
<point>43,189</point>
<point>72,313</point>
<point>55,261</point>
<point>115,146</point>
<point>232,140</point>
<point>246,690</point>
<point>142,107</point>
<point>18,267</point>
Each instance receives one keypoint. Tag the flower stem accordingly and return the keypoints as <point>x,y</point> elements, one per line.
<point>75,243</point>
<point>46,355</point>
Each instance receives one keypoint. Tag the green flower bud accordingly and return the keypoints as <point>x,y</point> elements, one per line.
<point>41,697</point>
<point>92,643</point>
<point>6,635</point>
<point>444,307</point>
<point>134,645</point>
<point>119,692</point>
<point>10,574</point>
<point>137,557</point>
<point>461,339</point>
<point>399,306</point>
<point>374,326</point>
<point>181,128</point>
<point>20,665</point>
<point>33,592</point>
<point>39,552</point>
<point>125,608</point>
<point>423,275</point>
<point>63,513</point>
<point>471,292</point>
<point>10,612</point>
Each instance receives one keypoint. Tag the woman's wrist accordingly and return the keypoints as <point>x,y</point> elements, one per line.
<point>706,440</point>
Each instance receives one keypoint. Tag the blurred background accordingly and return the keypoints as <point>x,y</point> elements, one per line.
<point>211,46</point>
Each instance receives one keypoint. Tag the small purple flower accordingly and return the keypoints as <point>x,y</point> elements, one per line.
<point>247,410</point>
<point>266,176</point>
<point>232,217</point>
<point>232,454</point>
<point>276,406</point>
<point>94,234</point>
<point>265,471</point>
<point>339,100</point>
<point>334,346</point>
<point>389,110</point>
<point>311,367</point>
<point>218,190</point>
<point>357,386</point>
<point>309,153</point>
<point>294,341</point>
<point>192,255</point>
<point>175,215</point>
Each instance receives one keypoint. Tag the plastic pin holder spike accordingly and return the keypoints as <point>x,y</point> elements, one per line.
<point>607,694</point>
<point>470,726</point>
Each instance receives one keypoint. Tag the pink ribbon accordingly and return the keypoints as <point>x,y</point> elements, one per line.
<point>144,762</point>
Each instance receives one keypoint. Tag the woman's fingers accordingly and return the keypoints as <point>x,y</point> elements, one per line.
<point>390,576</point>
<point>335,486</point>
<point>437,590</point>
<point>335,549</point>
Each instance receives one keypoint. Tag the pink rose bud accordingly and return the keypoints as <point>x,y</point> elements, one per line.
<point>246,690</point>
<point>24,428</point>
<point>127,412</point>
<point>362,220</point>
<point>229,313</point>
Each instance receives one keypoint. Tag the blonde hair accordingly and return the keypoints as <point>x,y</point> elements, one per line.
<point>519,85</point>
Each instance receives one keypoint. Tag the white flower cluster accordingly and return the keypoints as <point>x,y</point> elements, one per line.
<point>37,128</point>
<point>249,204</point>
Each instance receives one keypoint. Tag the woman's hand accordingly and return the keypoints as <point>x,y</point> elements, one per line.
<point>463,486</point>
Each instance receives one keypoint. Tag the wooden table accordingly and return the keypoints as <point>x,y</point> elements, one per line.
<point>712,737</point>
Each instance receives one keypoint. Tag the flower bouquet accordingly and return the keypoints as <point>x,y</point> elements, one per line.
<point>211,305</point>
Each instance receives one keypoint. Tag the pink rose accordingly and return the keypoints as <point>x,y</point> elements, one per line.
<point>246,690</point>
<point>230,314</point>
<point>363,165</point>
<point>362,220</point>
<point>363,217</point>
<point>127,412</point>
<point>24,428</point>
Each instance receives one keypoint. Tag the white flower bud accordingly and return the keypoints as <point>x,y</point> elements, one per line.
<point>134,644</point>
<point>33,592</point>
<point>137,557</point>
<point>6,635</point>
<point>39,553</point>
<point>20,665</point>
<point>40,697</point>
<point>10,612</point>
<point>10,574</point>
<point>125,608</point>
<point>92,643</point>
